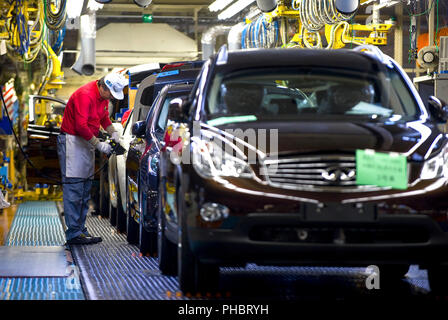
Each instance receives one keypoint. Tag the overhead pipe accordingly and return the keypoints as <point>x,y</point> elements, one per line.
<point>85,64</point>
<point>208,40</point>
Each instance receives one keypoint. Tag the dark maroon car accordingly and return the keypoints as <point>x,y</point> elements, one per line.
<point>304,157</point>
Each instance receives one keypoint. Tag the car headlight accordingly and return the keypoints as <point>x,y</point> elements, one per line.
<point>210,160</point>
<point>436,167</point>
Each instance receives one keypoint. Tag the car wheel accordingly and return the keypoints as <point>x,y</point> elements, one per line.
<point>112,214</point>
<point>132,235</point>
<point>392,274</point>
<point>438,279</point>
<point>193,275</point>
<point>121,215</point>
<point>167,251</point>
<point>393,271</point>
<point>147,241</point>
<point>104,193</point>
<point>111,175</point>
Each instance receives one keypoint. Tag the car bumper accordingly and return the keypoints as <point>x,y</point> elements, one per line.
<point>274,230</point>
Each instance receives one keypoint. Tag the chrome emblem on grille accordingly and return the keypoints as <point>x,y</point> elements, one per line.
<point>335,174</point>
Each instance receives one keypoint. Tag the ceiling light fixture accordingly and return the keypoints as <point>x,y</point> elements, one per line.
<point>234,9</point>
<point>219,5</point>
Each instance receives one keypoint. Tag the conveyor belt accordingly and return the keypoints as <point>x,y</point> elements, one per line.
<point>113,270</point>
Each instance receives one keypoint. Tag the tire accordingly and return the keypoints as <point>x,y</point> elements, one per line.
<point>132,232</point>
<point>147,241</point>
<point>438,279</point>
<point>194,276</point>
<point>167,251</point>
<point>393,272</point>
<point>104,193</point>
<point>111,178</point>
<point>121,215</point>
<point>391,275</point>
<point>112,214</point>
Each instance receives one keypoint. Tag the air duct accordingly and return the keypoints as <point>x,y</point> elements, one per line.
<point>208,40</point>
<point>267,5</point>
<point>85,64</point>
<point>234,37</point>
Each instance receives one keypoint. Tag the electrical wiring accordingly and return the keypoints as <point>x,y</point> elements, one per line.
<point>315,14</point>
<point>55,20</point>
<point>260,34</point>
<point>24,23</point>
<point>57,46</point>
<point>17,26</point>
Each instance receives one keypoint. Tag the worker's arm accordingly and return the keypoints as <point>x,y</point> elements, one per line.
<point>107,125</point>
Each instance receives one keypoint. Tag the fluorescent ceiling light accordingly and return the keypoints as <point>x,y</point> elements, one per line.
<point>219,5</point>
<point>234,9</point>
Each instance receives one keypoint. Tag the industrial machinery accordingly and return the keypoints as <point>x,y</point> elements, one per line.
<point>32,33</point>
<point>314,24</point>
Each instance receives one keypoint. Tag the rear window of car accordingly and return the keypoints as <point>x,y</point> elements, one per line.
<point>317,92</point>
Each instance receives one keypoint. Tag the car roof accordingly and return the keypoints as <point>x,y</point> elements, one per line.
<point>176,75</point>
<point>179,87</point>
<point>292,57</point>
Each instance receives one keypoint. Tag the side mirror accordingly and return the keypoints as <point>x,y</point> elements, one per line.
<point>438,108</point>
<point>176,110</point>
<point>139,129</point>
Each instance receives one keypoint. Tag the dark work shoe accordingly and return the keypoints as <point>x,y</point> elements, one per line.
<point>81,239</point>
<point>95,239</point>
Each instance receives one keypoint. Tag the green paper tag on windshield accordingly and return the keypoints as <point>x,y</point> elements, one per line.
<point>381,169</point>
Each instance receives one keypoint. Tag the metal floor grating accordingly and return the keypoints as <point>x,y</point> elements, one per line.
<point>37,223</point>
<point>37,289</point>
<point>113,269</point>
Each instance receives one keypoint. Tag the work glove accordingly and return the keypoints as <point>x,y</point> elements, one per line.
<point>104,147</point>
<point>116,136</point>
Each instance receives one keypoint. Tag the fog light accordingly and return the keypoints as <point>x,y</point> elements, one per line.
<point>302,234</point>
<point>211,212</point>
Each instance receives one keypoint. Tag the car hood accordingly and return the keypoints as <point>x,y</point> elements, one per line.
<point>294,137</point>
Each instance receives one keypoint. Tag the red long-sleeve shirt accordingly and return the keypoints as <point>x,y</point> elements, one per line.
<point>85,112</point>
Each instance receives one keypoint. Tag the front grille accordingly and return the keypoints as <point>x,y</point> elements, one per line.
<point>314,172</point>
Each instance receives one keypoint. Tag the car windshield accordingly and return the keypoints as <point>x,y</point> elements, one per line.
<point>313,93</point>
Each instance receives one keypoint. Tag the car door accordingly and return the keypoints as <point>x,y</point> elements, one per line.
<point>148,167</point>
<point>143,103</point>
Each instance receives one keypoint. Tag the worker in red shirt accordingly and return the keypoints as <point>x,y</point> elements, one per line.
<point>85,112</point>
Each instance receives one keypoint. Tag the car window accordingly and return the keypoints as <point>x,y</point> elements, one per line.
<point>160,123</point>
<point>323,92</point>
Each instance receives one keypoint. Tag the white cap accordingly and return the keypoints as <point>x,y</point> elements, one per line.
<point>116,82</point>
